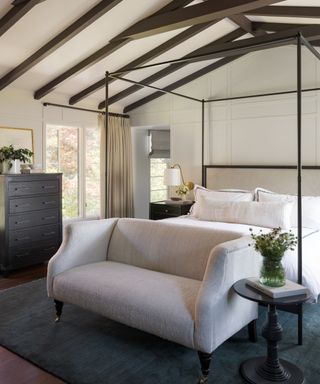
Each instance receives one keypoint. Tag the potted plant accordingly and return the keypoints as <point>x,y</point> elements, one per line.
<point>10,158</point>
<point>272,246</point>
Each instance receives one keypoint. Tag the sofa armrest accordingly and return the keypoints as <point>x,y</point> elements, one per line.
<point>219,311</point>
<point>84,242</point>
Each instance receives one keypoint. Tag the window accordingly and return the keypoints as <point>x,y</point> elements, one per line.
<point>159,159</point>
<point>158,191</point>
<point>75,151</point>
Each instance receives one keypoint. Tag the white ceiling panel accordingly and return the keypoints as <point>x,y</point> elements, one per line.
<point>38,26</point>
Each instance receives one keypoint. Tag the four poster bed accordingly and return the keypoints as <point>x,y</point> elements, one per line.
<point>281,179</point>
<point>265,184</point>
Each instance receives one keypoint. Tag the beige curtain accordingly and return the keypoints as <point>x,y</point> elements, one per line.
<point>102,126</point>
<point>117,185</point>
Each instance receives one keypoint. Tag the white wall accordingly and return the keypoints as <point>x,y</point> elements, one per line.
<point>18,109</point>
<point>250,131</point>
<point>141,168</point>
<point>141,171</point>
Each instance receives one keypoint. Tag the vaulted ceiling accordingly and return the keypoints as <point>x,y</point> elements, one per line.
<point>63,48</point>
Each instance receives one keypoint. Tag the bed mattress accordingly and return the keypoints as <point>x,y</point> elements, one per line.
<point>310,247</point>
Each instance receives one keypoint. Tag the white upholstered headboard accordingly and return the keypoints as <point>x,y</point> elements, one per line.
<point>281,179</point>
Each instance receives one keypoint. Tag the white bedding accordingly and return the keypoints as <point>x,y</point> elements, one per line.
<point>310,247</point>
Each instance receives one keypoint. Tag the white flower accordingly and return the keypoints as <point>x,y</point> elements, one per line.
<point>182,190</point>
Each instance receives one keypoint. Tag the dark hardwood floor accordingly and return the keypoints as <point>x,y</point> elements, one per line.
<point>14,369</point>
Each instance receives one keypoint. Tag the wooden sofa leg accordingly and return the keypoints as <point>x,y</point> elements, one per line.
<point>252,330</point>
<point>205,360</point>
<point>58,305</point>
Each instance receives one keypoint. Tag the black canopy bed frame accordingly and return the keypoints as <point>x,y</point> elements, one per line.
<point>233,49</point>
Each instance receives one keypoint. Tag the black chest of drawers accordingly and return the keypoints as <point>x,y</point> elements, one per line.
<point>30,219</point>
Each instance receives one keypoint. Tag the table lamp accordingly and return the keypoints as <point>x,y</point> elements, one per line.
<point>174,176</point>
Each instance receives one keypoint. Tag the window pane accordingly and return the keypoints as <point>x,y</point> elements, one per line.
<point>62,156</point>
<point>92,171</point>
<point>69,166</point>
<point>157,167</point>
<point>158,191</point>
<point>159,195</point>
<point>52,149</point>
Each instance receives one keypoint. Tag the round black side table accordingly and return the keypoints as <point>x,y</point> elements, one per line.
<point>270,369</point>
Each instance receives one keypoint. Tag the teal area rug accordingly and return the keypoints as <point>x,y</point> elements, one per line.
<point>85,348</point>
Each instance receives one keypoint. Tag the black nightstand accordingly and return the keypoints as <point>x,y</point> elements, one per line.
<point>270,369</point>
<point>166,209</point>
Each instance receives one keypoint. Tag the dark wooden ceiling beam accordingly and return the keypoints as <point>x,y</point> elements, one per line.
<point>181,82</point>
<point>294,28</point>
<point>15,14</point>
<point>98,55</point>
<point>86,92</point>
<point>171,43</point>
<point>171,68</point>
<point>278,27</point>
<point>274,27</point>
<point>235,49</point>
<point>244,23</point>
<point>79,25</point>
<point>194,14</point>
<point>17,2</point>
<point>286,11</point>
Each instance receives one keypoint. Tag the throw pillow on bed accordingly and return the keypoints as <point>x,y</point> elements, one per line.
<point>268,215</point>
<point>222,195</point>
<point>310,207</point>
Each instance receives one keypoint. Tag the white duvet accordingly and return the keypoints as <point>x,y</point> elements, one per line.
<point>310,250</point>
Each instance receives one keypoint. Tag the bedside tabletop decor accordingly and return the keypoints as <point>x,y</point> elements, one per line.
<point>169,208</point>
<point>272,246</point>
<point>173,176</point>
<point>270,369</point>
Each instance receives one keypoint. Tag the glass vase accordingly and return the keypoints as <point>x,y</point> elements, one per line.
<point>272,272</point>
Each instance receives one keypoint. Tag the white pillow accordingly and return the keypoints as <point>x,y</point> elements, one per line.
<point>310,207</point>
<point>269,215</point>
<point>222,195</point>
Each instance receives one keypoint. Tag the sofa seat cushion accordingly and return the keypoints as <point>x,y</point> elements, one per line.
<point>154,302</point>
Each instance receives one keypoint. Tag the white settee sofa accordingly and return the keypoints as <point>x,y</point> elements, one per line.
<point>170,280</point>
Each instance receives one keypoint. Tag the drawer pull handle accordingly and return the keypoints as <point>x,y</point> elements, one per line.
<point>22,222</point>
<point>23,254</point>
<point>22,205</point>
<point>48,202</point>
<point>22,238</point>
<point>48,217</point>
<point>49,233</point>
<point>48,186</point>
<point>22,188</point>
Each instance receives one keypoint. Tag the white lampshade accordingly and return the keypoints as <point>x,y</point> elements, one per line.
<point>172,176</point>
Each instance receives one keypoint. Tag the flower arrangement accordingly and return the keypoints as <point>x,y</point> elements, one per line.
<point>182,190</point>
<point>272,246</point>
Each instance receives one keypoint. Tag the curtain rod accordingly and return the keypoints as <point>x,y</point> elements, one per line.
<point>85,109</point>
